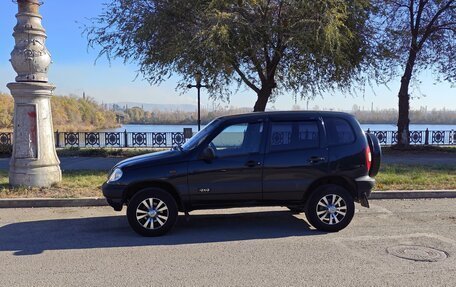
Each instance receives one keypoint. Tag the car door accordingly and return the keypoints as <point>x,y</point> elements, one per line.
<point>294,158</point>
<point>234,174</point>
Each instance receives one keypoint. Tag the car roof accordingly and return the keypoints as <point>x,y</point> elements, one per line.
<point>279,114</point>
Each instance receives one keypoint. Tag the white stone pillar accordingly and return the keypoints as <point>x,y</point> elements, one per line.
<point>34,161</point>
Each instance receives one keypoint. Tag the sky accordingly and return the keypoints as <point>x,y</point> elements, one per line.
<point>74,70</point>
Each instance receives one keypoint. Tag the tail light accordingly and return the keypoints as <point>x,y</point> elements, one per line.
<point>368,158</point>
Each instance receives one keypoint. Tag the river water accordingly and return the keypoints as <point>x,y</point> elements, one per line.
<point>179,128</point>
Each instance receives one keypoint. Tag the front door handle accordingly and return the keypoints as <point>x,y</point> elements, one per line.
<point>252,163</point>
<point>316,159</point>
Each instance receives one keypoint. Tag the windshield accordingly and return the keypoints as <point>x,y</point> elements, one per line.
<point>195,140</point>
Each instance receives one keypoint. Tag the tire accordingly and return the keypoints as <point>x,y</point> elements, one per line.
<point>154,221</point>
<point>333,219</point>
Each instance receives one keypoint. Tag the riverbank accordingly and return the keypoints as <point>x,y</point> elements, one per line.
<point>69,113</point>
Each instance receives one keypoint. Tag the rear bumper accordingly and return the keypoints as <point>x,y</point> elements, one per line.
<point>114,195</point>
<point>364,186</point>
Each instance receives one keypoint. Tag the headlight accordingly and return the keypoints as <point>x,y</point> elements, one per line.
<point>115,175</point>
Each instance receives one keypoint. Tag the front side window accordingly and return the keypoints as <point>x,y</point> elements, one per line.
<point>238,139</point>
<point>197,139</point>
<point>293,135</point>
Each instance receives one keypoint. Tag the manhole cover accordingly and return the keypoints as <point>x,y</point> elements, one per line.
<point>417,253</point>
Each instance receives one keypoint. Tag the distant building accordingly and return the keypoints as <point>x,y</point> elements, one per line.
<point>120,118</point>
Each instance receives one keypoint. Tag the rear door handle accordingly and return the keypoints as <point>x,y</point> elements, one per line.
<point>316,159</point>
<point>252,163</point>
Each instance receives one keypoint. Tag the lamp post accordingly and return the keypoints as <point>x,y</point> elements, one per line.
<point>34,161</point>
<point>198,86</point>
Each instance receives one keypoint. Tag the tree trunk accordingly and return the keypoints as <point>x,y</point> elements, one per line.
<point>262,99</point>
<point>403,135</point>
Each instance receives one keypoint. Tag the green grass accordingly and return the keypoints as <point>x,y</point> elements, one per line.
<point>83,179</point>
<point>3,179</point>
<point>74,184</point>
<point>403,177</point>
<point>87,183</point>
<point>413,149</point>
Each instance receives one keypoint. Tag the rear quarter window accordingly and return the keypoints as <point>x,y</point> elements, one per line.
<point>339,131</point>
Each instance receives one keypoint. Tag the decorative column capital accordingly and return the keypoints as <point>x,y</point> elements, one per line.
<point>28,5</point>
<point>30,57</point>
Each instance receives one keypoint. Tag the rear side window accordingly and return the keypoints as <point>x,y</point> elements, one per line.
<point>339,131</point>
<point>293,135</point>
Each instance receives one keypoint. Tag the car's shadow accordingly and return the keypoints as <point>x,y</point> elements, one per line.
<point>34,237</point>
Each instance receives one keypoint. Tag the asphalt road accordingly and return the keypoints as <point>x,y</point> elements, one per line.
<point>103,163</point>
<point>233,247</point>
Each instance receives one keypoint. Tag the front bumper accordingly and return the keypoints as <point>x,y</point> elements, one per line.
<point>114,195</point>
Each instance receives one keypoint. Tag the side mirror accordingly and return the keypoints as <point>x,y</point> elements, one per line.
<point>208,154</point>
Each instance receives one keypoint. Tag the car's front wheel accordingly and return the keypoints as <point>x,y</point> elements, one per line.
<point>330,208</point>
<point>152,212</point>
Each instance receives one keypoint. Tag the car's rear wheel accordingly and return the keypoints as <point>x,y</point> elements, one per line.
<point>330,208</point>
<point>152,212</point>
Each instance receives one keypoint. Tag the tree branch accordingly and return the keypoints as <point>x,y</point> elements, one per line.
<point>256,64</point>
<point>419,15</point>
<point>412,14</point>
<point>445,26</point>
<point>245,79</point>
<point>278,49</point>
<point>275,61</point>
<point>266,54</point>
<point>428,30</point>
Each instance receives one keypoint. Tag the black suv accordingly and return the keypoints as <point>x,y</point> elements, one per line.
<point>313,162</point>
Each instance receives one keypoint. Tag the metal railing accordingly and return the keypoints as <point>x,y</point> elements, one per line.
<point>119,139</point>
<point>170,139</point>
<point>418,137</point>
<point>110,139</point>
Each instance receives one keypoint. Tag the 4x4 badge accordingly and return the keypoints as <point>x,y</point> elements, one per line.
<point>204,190</point>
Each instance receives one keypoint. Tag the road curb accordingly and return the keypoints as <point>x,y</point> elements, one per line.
<point>51,202</point>
<point>91,201</point>
<point>412,194</point>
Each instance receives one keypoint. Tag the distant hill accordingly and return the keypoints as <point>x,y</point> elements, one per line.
<point>157,107</point>
<point>68,114</point>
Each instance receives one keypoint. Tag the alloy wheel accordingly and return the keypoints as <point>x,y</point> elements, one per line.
<point>331,209</point>
<point>152,213</point>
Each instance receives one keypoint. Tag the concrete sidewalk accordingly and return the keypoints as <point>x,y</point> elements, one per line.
<point>106,163</point>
